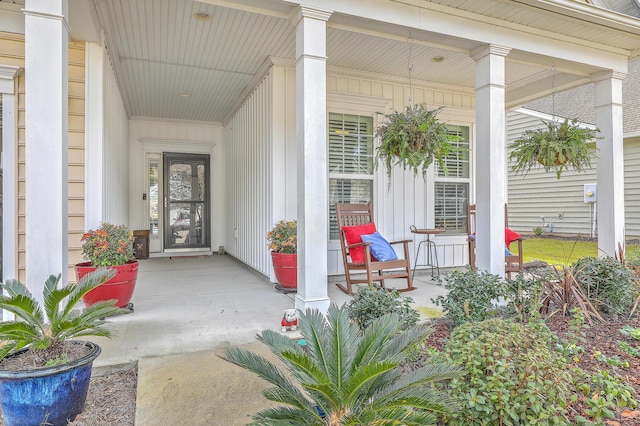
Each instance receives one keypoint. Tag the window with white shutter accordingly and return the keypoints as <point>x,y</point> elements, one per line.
<point>451,190</point>
<point>350,163</point>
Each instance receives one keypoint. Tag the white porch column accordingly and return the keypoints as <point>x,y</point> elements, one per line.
<point>610,207</point>
<point>9,173</point>
<point>491,162</point>
<point>311,136</point>
<point>46,106</point>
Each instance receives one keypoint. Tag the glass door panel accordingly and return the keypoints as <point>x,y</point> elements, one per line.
<point>186,201</point>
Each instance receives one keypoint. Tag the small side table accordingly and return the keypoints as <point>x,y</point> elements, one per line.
<point>432,252</point>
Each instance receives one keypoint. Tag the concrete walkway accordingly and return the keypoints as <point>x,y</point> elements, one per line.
<point>186,310</point>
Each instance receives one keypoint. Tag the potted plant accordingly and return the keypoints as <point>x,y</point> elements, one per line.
<point>110,246</point>
<point>283,243</point>
<point>556,146</point>
<point>44,374</point>
<point>413,139</point>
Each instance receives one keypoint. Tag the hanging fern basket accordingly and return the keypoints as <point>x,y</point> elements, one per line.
<point>413,139</point>
<point>556,147</point>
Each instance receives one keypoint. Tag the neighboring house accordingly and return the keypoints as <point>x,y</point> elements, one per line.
<point>114,110</point>
<point>561,202</point>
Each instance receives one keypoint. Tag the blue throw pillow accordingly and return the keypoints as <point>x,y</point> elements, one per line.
<point>380,248</point>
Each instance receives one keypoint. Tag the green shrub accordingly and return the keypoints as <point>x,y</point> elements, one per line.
<point>537,230</point>
<point>524,296</point>
<point>471,296</point>
<point>370,303</point>
<point>607,283</point>
<point>345,376</point>
<point>513,376</point>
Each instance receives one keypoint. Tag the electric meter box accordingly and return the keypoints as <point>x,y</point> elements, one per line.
<point>590,193</point>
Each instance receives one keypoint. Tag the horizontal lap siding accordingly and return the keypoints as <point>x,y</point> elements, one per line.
<point>76,152</point>
<point>632,187</point>
<point>541,194</point>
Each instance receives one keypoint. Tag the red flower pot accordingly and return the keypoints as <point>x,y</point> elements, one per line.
<point>285,266</point>
<point>119,287</point>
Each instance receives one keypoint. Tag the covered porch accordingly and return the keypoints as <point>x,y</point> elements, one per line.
<point>254,85</point>
<point>202,303</point>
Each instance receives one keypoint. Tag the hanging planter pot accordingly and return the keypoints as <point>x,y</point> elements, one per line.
<point>413,139</point>
<point>556,147</point>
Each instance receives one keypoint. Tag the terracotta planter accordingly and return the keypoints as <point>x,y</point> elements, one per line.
<point>48,395</point>
<point>285,266</point>
<point>119,287</point>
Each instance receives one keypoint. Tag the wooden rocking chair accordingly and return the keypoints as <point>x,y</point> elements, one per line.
<point>513,263</point>
<point>350,215</point>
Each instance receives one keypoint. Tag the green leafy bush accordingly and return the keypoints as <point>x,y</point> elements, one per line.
<point>471,296</point>
<point>524,296</point>
<point>513,376</point>
<point>607,283</point>
<point>370,303</point>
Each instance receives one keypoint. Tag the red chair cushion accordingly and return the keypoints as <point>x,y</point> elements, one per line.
<point>353,236</point>
<point>510,236</point>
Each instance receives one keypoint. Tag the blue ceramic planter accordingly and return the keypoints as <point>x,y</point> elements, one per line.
<point>49,395</point>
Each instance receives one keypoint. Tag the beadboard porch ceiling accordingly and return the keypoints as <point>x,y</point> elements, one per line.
<point>197,60</point>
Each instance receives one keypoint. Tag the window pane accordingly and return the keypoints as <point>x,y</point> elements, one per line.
<point>354,191</point>
<point>457,161</point>
<point>350,153</point>
<point>451,201</point>
<point>153,197</point>
<point>350,144</point>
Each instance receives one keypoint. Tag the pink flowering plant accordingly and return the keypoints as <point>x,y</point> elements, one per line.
<point>109,245</point>
<point>283,238</point>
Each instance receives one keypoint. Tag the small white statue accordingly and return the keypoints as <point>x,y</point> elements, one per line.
<point>289,320</point>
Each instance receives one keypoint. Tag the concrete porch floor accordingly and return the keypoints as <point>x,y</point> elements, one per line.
<point>185,311</point>
<point>192,304</point>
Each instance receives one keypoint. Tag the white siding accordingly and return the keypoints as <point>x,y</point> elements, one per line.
<point>408,200</point>
<point>261,164</point>
<point>147,135</point>
<point>116,151</point>
<point>255,161</point>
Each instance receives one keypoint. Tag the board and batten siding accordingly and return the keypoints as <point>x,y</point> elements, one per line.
<point>407,199</point>
<point>541,194</point>
<point>261,169</point>
<point>261,163</point>
<point>12,53</point>
<point>116,151</point>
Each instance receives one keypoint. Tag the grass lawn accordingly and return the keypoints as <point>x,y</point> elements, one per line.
<point>560,252</point>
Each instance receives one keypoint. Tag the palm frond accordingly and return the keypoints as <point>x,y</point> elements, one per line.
<point>50,284</point>
<point>16,288</point>
<point>263,368</point>
<point>18,330</point>
<point>313,327</point>
<point>85,285</point>
<point>24,308</point>
<point>342,341</point>
<point>54,297</point>
<point>285,416</point>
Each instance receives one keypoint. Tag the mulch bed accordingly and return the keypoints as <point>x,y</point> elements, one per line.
<point>601,337</point>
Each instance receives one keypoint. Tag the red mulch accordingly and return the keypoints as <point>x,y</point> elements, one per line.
<point>602,337</point>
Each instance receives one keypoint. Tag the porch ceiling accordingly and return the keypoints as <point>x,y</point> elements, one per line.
<point>161,52</point>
